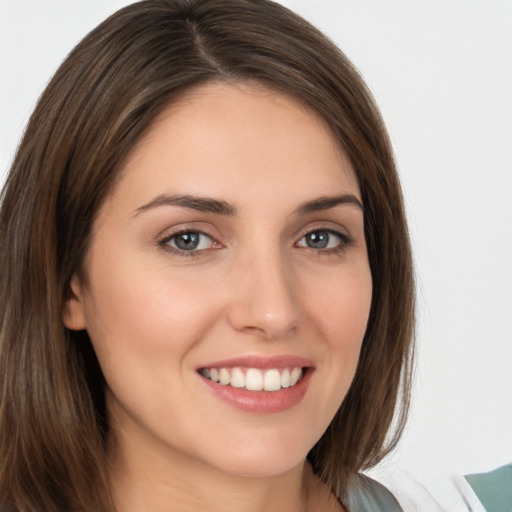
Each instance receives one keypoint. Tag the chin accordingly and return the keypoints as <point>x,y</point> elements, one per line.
<point>262,457</point>
<point>261,466</point>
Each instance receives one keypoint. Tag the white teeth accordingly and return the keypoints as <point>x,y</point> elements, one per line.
<point>285,379</point>
<point>254,379</point>
<point>295,376</point>
<point>272,381</point>
<point>237,378</point>
<point>224,377</point>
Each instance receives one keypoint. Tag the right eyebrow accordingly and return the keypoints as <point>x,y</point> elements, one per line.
<point>201,204</point>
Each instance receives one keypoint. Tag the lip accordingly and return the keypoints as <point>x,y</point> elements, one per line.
<point>261,402</point>
<point>261,362</point>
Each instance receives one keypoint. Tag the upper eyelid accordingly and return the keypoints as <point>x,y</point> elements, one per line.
<point>328,230</point>
<point>334,227</point>
<point>178,232</point>
<point>169,232</point>
<point>345,237</point>
<point>164,240</point>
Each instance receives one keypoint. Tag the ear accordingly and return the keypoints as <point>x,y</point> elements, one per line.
<point>73,314</point>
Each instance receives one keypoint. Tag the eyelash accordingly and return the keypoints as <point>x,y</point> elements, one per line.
<point>164,243</point>
<point>345,241</point>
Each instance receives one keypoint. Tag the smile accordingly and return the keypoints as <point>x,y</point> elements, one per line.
<point>254,379</point>
<point>259,384</point>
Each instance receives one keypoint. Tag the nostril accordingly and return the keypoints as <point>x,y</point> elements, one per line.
<point>258,320</point>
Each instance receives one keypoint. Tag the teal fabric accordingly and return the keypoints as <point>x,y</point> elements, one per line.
<point>494,489</point>
<point>367,495</point>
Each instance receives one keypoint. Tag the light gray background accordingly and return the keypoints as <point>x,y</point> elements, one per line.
<point>442,74</point>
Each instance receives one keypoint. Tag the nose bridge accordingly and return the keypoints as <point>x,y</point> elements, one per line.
<point>265,301</point>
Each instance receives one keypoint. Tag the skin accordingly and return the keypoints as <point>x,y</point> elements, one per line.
<point>254,286</point>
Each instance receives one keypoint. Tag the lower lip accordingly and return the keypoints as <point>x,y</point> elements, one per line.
<point>262,402</point>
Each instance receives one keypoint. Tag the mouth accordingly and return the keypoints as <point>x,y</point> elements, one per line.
<point>255,379</point>
<point>259,384</point>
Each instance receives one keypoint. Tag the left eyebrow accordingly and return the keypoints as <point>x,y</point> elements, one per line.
<point>327,202</point>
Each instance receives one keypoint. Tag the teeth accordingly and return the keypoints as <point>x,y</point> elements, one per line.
<point>295,376</point>
<point>254,379</point>
<point>237,378</point>
<point>224,377</point>
<point>205,372</point>
<point>285,379</point>
<point>272,381</point>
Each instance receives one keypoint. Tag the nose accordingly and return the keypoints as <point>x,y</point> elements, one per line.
<point>264,299</point>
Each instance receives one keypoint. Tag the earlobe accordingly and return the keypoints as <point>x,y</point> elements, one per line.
<point>73,315</point>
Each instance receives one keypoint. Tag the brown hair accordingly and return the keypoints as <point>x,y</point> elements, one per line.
<point>96,107</point>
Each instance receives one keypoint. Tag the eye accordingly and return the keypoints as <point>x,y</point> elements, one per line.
<point>188,241</point>
<point>324,239</point>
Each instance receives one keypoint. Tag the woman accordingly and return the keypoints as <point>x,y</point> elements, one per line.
<point>207,292</point>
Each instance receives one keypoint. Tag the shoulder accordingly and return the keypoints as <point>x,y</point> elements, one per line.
<point>494,489</point>
<point>366,494</point>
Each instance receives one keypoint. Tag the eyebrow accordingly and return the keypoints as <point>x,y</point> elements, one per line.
<point>220,207</point>
<point>201,204</point>
<point>327,202</point>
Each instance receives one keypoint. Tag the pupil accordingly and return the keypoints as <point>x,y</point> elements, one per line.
<point>187,241</point>
<point>318,239</point>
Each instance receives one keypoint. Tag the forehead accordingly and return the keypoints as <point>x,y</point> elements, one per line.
<point>223,139</point>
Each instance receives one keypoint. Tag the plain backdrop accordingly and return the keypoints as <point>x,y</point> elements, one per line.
<point>441,72</point>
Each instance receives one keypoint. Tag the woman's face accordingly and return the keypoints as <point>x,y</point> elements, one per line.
<point>232,248</point>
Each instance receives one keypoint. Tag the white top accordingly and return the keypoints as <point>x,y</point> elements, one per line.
<point>443,492</point>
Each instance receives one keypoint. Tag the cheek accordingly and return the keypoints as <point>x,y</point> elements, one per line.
<point>143,296</point>
<point>341,308</point>
<point>142,330</point>
<point>145,319</point>
<point>338,308</point>
<point>340,316</point>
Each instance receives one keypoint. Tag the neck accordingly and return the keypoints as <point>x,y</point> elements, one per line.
<point>159,481</point>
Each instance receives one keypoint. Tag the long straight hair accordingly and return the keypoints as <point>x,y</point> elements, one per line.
<point>99,103</point>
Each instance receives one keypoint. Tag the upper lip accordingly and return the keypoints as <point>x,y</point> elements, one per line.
<point>262,362</point>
